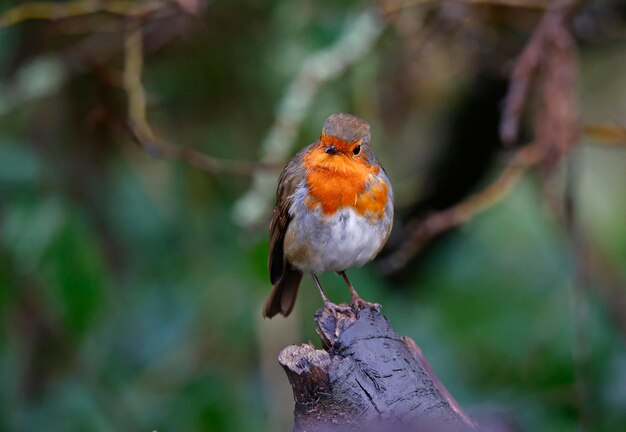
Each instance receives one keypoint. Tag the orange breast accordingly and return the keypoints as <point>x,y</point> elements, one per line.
<point>340,181</point>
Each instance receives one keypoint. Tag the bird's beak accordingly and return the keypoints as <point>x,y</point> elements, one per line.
<point>331,149</point>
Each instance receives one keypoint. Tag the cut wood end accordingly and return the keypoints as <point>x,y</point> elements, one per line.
<point>301,359</point>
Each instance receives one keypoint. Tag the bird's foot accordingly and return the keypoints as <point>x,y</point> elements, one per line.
<point>344,309</point>
<point>358,303</point>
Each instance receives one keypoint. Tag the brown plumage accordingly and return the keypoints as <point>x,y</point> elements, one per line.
<point>334,210</point>
<point>284,277</point>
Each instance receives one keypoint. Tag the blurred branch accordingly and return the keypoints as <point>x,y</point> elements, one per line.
<point>393,6</point>
<point>56,11</point>
<point>549,62</point>
<point>143,133</point>
<point>607,133</point>
<point>437,223</point>
<point>526,67</point>
<point>47,73</point>
<point>318,68</point>
<point>133,66</point>
<point>556,123</point>
<point>536,4</point>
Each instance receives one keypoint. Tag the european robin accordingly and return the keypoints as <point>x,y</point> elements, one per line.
<point>334,211</point>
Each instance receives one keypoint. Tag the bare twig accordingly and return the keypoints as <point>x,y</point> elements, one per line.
<point>523,72</point>
<point>92,52</point>
<point>57,11</point>
<point>606,133</point>
<point>393,6</point>
<point>143,132</point>
<point>133,66</point>
<point>437,223</point>
<point>524,4</point>
<point>318,68</point>
<point>549,56</point>
<point>556,122</point>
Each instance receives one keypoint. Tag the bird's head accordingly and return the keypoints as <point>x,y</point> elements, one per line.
<point>345,141</point>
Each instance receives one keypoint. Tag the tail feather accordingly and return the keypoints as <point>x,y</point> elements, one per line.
<point>284,292</point>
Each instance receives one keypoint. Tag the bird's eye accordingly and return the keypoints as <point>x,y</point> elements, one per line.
<point>356,150</point>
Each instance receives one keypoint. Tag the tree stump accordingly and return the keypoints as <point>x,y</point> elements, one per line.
<point>366,378</point>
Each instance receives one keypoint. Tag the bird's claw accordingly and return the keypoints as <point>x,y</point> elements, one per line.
<point>359,304</point>
<point>355,306</point>
<point>345,309</point>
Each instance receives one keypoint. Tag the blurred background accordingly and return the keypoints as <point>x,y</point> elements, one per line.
<point>140,143</point>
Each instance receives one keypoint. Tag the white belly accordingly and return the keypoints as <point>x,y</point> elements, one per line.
<point>334,243</point>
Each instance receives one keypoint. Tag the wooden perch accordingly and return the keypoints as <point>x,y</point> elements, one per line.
<point>366,378</point>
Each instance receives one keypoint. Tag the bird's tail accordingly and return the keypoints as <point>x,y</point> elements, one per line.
<point>284,293</point>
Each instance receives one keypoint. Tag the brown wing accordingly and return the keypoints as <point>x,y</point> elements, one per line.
<point>283,275</point>
<point>289,179</point>
<point>278,228</point>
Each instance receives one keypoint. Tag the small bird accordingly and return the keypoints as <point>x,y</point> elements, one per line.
<point>334,210</point>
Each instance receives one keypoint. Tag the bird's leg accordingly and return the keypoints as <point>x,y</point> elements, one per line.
<point>319,287</point>
<point>327,303</point>
<point>356,298</point>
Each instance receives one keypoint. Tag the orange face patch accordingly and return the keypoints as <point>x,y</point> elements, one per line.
<point>340,180</point>
<point>341,145</point>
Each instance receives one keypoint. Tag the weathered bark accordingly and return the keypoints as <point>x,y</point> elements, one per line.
<point>367,378</point>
